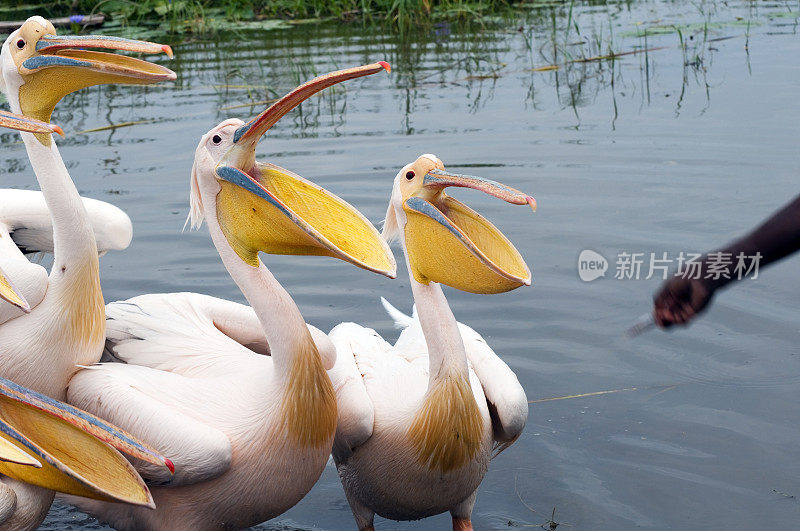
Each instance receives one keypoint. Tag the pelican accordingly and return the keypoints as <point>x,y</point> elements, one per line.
<point>417,420</point>
<point>66,324</point>
<point>249,433</point>
<point>42,349</point>
<point>48,443</point>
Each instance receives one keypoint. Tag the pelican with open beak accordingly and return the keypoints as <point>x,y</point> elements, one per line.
<point>65,327</point>
<point>261,427</point>
<point>415,433</point>
<point>50,444</point>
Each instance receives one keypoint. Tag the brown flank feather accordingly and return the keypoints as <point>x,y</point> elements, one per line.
<point>309,402</point>
<point>447,430</point>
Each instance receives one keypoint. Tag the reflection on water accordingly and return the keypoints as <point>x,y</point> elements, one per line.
<point>657,147</point>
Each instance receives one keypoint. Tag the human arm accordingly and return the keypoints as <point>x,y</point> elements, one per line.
<point>686,295</point>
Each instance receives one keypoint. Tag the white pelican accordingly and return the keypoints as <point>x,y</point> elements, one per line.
<point>249,434</point>
<point>67,321</point>
<point>65,326</point>
<point>48,443</point>
<point>417,420</point>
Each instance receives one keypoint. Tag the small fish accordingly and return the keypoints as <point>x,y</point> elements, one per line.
<point>644,323</point>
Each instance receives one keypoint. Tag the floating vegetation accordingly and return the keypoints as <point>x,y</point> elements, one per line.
<point>114,126</point>
<point>698,27</point>
<point>608,392</point>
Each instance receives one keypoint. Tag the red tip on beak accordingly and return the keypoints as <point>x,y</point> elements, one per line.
<point>57,129</point>
<point>169,465</point>
<point>531,201</point>
<point>386,66</point>
<point>167,50</point>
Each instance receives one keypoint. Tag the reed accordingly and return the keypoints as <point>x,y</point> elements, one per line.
<point>203,16</point>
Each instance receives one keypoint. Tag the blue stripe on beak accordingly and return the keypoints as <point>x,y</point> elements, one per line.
<point>43,61</point>
<point>241,131</point>
<point>241,179</point>
<point>422,206</point>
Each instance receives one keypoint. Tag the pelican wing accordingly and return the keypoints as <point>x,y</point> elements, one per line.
<point>26,228</point>
<point>155,406</point>
<point>183,333</point>
<point>508,404</point>
<point>26,215</point>
<point>356,412</point>
<point>190,334</point>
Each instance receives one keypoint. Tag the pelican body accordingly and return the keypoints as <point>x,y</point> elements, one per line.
<point>249,433</point>
<point>63,322</point>
<point>418,420</point>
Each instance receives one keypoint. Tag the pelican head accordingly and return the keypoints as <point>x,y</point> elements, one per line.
<point>446,241</point>
<point>263,207</point>
<point>39,68</point>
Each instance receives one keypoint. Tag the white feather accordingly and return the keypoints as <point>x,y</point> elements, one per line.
<point>400,319</point>
<point>195,217</point>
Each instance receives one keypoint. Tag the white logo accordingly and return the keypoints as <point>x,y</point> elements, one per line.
<point>591,265</point>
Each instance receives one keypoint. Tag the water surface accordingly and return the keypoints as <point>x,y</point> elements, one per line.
<point>664,151</point>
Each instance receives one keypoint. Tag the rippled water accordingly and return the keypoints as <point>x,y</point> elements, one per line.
<point>662,151</point>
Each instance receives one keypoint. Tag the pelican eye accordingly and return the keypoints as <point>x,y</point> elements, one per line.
<point>409,175</point>
<point>216,139</point>
<point>21,43</point>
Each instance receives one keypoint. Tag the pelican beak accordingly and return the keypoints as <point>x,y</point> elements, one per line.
<point>56,446</point>
<point>243,154</point>
<point>263,207</point>
<point>53,66</point>
<point>23,123</point>
<point>9,293</point>
<point>449,243</point>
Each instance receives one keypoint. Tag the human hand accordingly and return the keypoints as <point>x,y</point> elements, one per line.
<point>680,300</point>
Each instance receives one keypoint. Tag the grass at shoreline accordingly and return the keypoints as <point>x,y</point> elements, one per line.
<point>209,16</point>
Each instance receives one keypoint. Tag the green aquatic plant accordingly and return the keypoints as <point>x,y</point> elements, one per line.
<point>206,16</point>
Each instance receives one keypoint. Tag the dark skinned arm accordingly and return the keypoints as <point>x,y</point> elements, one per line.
<point>681,298</point>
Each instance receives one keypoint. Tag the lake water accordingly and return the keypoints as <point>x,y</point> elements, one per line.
<point>666,151</point>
